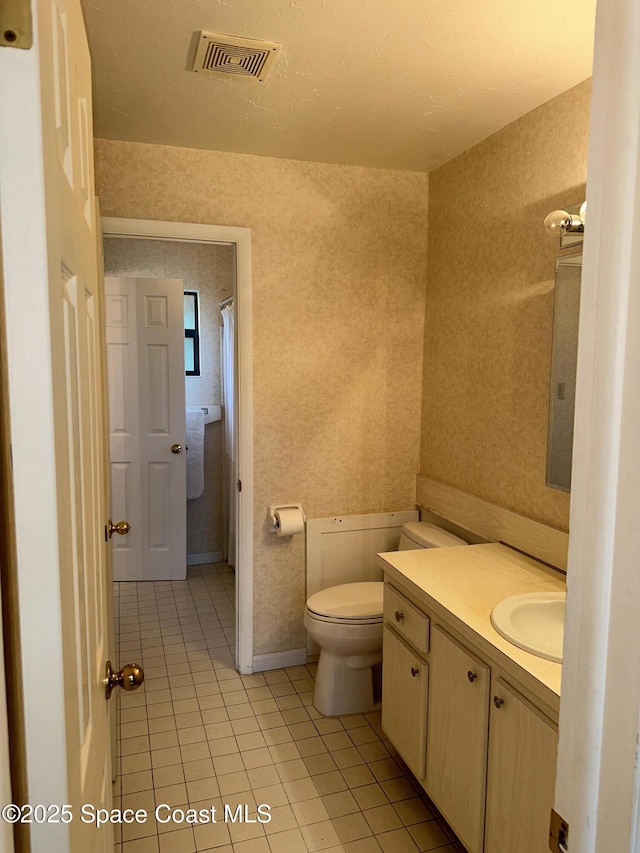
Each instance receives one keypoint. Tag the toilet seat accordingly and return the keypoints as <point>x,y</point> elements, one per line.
<point>349,603</point>
<point>374,620</point>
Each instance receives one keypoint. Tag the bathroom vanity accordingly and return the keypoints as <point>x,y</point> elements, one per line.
<point>473,716</point>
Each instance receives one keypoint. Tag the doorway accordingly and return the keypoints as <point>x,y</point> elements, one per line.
<point>197,254</point>
<point>204,273</point>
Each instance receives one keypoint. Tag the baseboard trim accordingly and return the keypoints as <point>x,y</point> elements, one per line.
<point>206,557</point>
<point>279,660</point>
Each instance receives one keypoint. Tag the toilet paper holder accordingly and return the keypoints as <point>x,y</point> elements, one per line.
<point>272,513</point>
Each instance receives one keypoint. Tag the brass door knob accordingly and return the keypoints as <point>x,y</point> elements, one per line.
<point>176,448</point>
<point>130,677</point>
<point>122,528</point>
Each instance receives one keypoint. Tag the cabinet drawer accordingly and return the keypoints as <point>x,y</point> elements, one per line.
<point>408,621</point>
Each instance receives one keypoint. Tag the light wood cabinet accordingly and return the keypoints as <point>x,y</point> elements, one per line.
<point>457,735</point>
<point>483,752</point>
<point>521,774</point>
<point>404,701</point>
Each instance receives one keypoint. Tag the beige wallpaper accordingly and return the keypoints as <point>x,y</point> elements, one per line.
<point>209,270</point>
<point>487,346</point>
<point>339,264</point>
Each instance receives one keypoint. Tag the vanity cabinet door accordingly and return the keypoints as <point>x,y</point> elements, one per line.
<point>404,701</point>
<point>521,774</point>
<point>457,737</point>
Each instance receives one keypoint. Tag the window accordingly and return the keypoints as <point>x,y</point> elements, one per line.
<point>191,334</point>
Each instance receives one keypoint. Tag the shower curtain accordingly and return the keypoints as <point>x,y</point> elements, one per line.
<point>229,399</point>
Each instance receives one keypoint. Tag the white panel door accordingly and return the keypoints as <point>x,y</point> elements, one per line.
<point>145,376</point>
<point>53,337</point>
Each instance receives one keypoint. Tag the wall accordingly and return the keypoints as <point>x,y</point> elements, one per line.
<point>339,264</point>
<point>489,307</point>
<point>209,269</point>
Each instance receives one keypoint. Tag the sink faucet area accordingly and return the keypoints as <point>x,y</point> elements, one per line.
<point>533,622</point>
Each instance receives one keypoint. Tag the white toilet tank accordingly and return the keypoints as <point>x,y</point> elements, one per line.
<point>419,534</point>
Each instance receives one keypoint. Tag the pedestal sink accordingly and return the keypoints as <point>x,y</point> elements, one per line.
<point>533,622</point>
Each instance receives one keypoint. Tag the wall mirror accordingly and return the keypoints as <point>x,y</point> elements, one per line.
<point>564,357</point>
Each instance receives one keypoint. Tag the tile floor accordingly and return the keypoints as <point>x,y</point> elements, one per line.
<point>198,735</point>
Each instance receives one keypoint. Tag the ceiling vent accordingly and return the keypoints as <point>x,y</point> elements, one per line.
<point>221,54</point>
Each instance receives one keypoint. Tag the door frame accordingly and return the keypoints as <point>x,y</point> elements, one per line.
<point>598,778</point>
<point>6,792</point>
<point>6,830</point>
<point>241,239</point>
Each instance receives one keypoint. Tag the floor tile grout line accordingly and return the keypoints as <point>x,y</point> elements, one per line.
<point>290,717</point>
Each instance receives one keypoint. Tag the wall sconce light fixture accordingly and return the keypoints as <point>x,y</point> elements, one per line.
<point>559,222</point>
<point>568,226</point>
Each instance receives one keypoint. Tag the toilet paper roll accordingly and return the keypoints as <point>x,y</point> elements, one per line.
<point>289,521</point>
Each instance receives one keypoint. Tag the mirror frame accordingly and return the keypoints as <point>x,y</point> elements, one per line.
<point>557,384</point>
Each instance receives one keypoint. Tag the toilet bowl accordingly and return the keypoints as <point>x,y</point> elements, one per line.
<point>346,622</point>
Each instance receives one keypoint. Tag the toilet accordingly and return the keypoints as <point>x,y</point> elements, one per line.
<point>346,622</point>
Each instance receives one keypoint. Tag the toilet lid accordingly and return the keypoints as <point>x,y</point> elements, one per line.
<point>349,601</point>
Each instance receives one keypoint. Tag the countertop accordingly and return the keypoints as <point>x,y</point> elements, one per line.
<point>462,585</point>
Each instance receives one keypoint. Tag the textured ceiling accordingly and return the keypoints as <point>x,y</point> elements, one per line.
<point>401,84</point>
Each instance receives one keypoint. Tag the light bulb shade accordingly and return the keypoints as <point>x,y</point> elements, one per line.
<point>559,222</point>
<point>583,212</point>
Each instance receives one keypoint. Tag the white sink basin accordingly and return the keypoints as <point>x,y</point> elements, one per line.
<point>533,622</point>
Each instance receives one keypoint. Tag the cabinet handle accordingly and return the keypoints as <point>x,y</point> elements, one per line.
<point>498,702</point>
<point>399,616</point>
<point>472,676</point>
<point>414,671</point>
